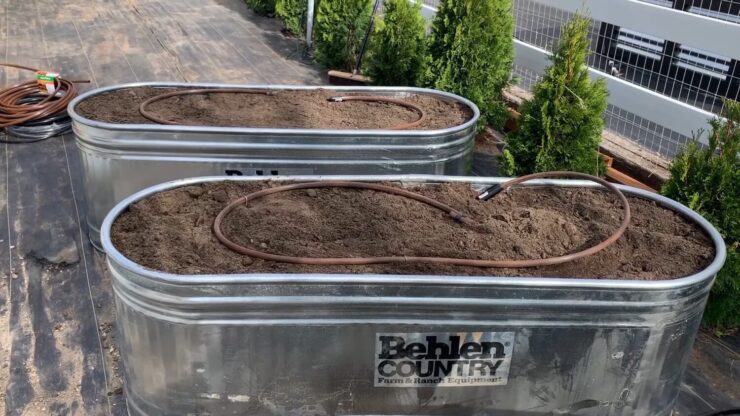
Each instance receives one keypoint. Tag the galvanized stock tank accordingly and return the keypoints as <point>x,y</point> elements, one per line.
<point>120,159</point>
<point>342,344</point>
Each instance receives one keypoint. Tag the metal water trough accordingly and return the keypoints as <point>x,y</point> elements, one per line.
<point>120,159</point>
<point>343,344</point>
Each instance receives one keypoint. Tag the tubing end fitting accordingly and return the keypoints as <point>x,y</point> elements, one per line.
<point>490,192</point>
<point>336,99</point>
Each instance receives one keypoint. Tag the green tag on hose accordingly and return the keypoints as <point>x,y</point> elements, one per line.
<point>47,82</point>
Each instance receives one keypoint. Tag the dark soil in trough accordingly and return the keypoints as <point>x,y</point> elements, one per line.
<point>283,109</point>
<point>172,231</point>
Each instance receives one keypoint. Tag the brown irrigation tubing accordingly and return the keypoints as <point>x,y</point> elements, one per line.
<point>13,114</point>
<point>375,99</point>
<point>143,108</point>
<point>453,213</point>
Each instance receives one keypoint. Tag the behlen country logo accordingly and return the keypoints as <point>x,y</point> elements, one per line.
<point>443,359</point>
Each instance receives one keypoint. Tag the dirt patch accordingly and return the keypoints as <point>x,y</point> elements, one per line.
<point>171,231</point>
<point>283,109</point>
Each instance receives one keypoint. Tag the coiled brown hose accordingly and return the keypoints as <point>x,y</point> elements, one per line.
<point>146,113</point>
<point>15,108</point>
<point>374,99</point>
<point>143,107</point>
<point>453,213</point>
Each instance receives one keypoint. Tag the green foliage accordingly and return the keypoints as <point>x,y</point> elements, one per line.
<point>293,14</point>
<point>262,7</point>
<point>397,46</point>
<point>560,128</point>
<point>707,180</point>
<point>340,28</point>
<point>471,52</point>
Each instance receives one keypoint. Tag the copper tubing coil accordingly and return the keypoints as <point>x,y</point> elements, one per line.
<point>452,212</point>
<point>146,113</point>
<point>12,113</point>
<point>143,107</point>
<point>375,99</point>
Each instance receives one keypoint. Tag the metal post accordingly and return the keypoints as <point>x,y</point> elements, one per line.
<point>368,31</point>
<point>309,23</point>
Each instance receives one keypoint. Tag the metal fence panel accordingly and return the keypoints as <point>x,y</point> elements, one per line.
<point>661,90</point>
<point>660,20</point>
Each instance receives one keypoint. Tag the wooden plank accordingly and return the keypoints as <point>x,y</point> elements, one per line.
<point>347,78</point>
<point>608,160</point>
<point>624,179</point>
<point>635,161</point>
<point>512,123</point>
<point>517,95</point>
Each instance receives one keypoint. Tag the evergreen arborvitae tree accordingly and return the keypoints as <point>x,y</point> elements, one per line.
<point>293,13</point>
<point>707,180</point>
<point>262,7</point>
<point>560,128</point>
<point>397,49</point>
<point>471,51</point>
<point>340,28</point>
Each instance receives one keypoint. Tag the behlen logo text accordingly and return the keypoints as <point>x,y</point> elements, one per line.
<point>438,360</point>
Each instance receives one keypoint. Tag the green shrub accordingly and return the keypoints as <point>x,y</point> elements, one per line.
<point>707,180</point>
<point>397,46</point>
<point>262,7</point>
<point>471,51</point>
<point>293,14</point>
<point>340,28</point>
<point>560,128</point>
